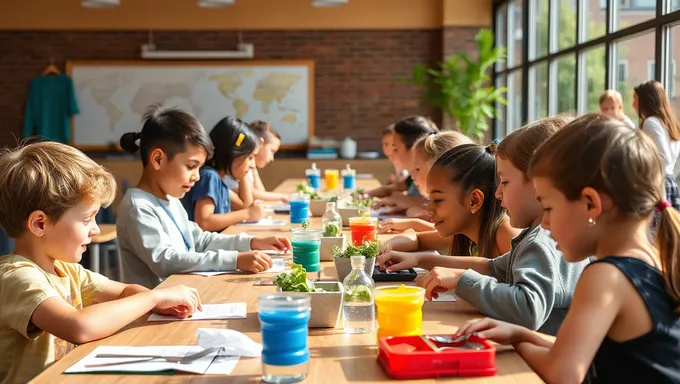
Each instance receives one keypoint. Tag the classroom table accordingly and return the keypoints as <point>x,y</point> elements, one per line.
<point>336,357</point>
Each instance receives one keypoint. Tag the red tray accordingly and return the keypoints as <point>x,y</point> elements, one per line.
<point>409,357</point>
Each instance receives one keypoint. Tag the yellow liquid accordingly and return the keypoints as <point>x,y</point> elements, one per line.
<point>331,180</point>
<point>400,311</point>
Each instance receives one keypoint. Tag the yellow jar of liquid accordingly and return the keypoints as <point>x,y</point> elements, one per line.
<point>400,310</point>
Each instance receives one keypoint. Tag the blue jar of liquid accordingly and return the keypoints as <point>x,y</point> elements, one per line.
<point>299,208</point>
<point>284,318</point>
<point>313,176</point>
<point>349,179</point>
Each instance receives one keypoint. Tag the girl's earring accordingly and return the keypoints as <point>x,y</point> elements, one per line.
<point>591,222</point>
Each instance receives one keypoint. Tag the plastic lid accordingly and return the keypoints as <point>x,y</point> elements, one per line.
<point>313,165</point>
<point>400,291</point>
<point>283,301</point>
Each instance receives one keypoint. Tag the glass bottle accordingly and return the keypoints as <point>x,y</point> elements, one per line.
<point>331,221</point>
<point>358,308</point>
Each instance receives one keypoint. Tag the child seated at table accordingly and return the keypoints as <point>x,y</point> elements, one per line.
<point>611,104</point>
<point>396,181</point>
<point>468,219</point>
<point>209,203</point>
<point>270,141</point>
<point>155,236</point>
<point>49,196</point>
<point>599,183</point>
<point>425,152</point>
<point>532,285</point>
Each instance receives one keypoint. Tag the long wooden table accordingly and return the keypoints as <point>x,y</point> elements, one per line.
<point>336,357</point>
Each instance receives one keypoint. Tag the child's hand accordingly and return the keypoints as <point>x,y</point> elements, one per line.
<point>394,225</point>
<point>256,212</point>
<point>397,261</point>
<point>284,198</point>
<point>494,330</point>
<point>438,280</point>
<point>274,243</point>
<point>253,261</point>
<point>418,213</point>
<point>385,202</point>
<point>179,300</point>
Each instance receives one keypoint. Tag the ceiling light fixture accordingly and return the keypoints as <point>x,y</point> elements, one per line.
<point>329,3</point>
<point>215,3</point>
<point>100,3</point>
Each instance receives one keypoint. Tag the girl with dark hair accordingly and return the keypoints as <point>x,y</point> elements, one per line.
<point>155,236</point>
<point>209,201</point>
<point>658,121</point>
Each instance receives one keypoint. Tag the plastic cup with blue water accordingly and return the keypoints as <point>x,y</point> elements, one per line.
<point>349,177</point>
<point>313,176</point>
<point>299,208</point>
<point>306,246</point>
<point>284,319</point>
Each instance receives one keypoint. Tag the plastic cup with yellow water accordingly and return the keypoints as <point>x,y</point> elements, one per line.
<point>400,310</point>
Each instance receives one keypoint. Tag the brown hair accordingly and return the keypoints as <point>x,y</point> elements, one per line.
<point>264,130</point>
<point>388,131</point>
<point>472,166</point>
<point>434,145</point>
<point>50,177</point>
<point>519,146</point>
<point>611,95</point>
<point>412,128</point>
<point>603,153</point>
<point>653,102</point>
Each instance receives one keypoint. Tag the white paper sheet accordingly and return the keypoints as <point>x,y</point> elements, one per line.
<point>445,297</point>
<point>199,366</point>
<point>222,365</point>
<point>278,265</point>
<point>210,312</point>
<point>264,223</point>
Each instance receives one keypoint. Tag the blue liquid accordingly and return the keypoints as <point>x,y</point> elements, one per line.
<point>348,181</point>
<point>299,211</point>
<point>306,253</point>
<point>284,337</point>
<point>313,180</point>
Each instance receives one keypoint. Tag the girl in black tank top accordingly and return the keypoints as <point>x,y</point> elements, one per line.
<point>599,183</point>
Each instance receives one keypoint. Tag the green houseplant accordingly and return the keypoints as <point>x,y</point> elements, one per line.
<point>341,257</point>
<point>461,87</point>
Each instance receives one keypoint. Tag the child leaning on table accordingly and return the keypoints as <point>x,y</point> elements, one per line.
<point>155,237</point>
<point>532,285</point>
<point>599,183</point>
<point>49,196</point>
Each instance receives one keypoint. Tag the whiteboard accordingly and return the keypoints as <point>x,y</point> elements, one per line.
<point>113,96</point>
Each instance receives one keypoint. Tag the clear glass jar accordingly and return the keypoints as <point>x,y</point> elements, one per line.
<point>358,308</point>
<point>331,221</point>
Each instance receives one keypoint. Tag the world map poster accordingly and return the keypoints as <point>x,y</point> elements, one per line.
<point>113,97</point>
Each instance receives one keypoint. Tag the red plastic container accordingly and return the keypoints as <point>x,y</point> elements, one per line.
<point>409,357</point>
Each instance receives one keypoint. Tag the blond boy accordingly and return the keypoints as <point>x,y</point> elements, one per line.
<point>49,195</point>
<point>611,104</point>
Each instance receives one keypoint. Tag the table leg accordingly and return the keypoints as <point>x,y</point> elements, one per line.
<point>94,257</point>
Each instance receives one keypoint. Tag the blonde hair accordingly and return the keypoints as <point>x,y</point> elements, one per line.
<point>519,146</point>
<point>50,177</point>
<point>611,95</point>
<point>604,154</point>
<point>434,145</point>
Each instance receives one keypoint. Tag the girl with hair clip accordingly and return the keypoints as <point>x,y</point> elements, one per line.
<point>599,183</point>
<point>658,121</point>
<point>155,236</point>
<point>469,220</point>
<point>425,151</point>
<point>406,133</point>
<point>270,141</point>
<point>208,203</point>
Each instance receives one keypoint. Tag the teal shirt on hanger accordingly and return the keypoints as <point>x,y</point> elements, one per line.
<point>51,103</point>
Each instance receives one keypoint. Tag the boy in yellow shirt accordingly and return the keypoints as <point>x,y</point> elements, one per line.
<point>49,195</point>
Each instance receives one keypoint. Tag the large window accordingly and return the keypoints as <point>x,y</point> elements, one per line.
<point>562,54</point>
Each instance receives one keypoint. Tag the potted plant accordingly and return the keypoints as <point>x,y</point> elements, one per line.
<point>461,86</point>
<point>359,206</point>
<point>343,264</point>
<point>325,296</point>
<point>332,238</point>
<point>317,204</point>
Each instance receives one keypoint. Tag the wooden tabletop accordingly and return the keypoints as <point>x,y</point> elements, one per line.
<point>336,357</point>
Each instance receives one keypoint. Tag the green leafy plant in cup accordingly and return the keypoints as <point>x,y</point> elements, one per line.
<point>368,249</point>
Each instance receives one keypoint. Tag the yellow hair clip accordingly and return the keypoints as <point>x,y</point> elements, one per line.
<point>239,139</point>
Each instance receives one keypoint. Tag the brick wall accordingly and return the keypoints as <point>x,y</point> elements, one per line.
<point>356,91</point>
